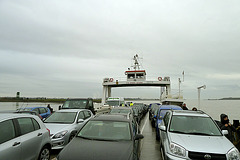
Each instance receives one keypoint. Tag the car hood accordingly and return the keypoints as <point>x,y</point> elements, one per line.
<point>80,148</point>
<point>199,143</point>
<point>55,127</point>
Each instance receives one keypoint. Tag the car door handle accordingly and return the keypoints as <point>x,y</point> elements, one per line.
<point>39,134</point>
<point>16,143</point>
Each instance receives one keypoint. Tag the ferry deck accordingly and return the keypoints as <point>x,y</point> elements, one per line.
<point>149,149</point>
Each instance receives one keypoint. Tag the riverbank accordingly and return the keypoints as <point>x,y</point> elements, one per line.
<point>42,100</point>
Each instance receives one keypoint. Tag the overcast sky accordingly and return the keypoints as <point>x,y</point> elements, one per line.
<point>64,48</point>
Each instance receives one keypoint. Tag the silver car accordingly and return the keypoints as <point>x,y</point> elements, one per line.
<point>186,135</point>
<point>23,137</point>
<point>64,124</point>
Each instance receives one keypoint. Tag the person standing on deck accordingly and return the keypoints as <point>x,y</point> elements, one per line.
<point>226,125</point>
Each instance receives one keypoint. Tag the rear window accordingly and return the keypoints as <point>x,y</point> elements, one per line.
<point>106,130</point>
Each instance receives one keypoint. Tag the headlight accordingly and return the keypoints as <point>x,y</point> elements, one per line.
<point>233,154</point>
<point>177,150</point>
<point>60,134</point>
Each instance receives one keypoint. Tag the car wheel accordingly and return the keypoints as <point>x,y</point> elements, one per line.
<point>162,152</point>
<point>44,154</point>
<point>71,137</point>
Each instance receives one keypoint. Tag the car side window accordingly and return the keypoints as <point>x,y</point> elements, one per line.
<point>42,110</point>
<point>166,119</point>
<point>87,114</point>
<point>134,128</point>
<point>81,115</point>
<point>36,110</point>
<point>7,131</point>
<point>26,125</point>
<point>46,110</point>
<point>90,103</point>
<point>35,124</point>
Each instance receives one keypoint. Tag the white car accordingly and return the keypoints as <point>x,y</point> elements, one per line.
<point>64,125</point>
<point>186,135</point>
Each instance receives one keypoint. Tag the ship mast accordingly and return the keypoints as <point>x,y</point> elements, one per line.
<point>136,64</point>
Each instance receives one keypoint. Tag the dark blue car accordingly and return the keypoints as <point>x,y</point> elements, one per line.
<point>44,112</point>
<point>161,113</point>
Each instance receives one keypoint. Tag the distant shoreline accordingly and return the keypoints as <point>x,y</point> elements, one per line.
<point>42,100</point>
<point>228,98</point>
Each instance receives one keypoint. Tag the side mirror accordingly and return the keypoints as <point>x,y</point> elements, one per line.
<point>162,128</point>
<point>224,132</point>
<point>59,107</point>
<point>80,121</point>
<point>138,137</point>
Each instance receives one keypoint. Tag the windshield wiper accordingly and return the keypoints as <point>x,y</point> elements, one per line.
<point>179,132</point>
<point>198,133</point>
<point>85,137</point>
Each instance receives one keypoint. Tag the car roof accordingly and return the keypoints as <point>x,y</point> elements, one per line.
<point>32,107</point>
<point>117,108</point>
<point>111,117</point>
<point>170,107</point>
<point>189,113</point>
<point>71,110</point>
<point>5,116</point>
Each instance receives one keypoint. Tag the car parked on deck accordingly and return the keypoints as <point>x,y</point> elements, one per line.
<point>64,125</point>
<point>44,112</point>
<point>122,110</point>
<point>194,135</point>
<point>151,108</point>
<point>23,137</point>
<point>161,113</point>
<point>105,137</point>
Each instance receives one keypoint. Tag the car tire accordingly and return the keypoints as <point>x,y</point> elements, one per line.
<point>162,153</point>
<point>44,154</point>
<point>71,137</point>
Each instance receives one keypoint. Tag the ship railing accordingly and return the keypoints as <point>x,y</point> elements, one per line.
<point>114,79</point>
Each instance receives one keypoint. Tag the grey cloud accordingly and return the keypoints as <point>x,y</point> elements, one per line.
<point>84,41</point>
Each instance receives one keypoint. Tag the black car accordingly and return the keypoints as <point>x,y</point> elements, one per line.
<point>105,137</point>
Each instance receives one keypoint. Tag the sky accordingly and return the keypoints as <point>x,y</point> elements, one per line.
<point>64,48</point>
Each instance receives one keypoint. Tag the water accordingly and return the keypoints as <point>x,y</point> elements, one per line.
<point>212,107</point>
<point>15,105</point>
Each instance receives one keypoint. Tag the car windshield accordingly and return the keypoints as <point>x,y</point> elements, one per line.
<point>78,104</point>
<point>61,117</point>
<point>113,103</point>
<point>120,111</point>
<point>194,125</point>
<point>106,130</point>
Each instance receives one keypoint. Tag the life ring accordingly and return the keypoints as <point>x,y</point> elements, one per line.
<point>160,78</point>
<point>111,80</point>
